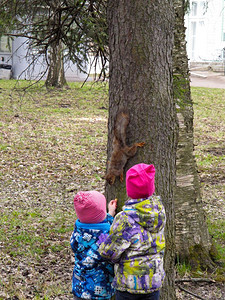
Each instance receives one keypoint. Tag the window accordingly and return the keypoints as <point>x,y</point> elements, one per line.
<point>223,23</point>
<point>194,6</point>
<point>5,44</point>
<point>193,38</point>
<point>198,8</point>
<point>202,8</point>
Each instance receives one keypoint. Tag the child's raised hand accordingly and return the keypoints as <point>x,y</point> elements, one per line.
<point>112,207</point>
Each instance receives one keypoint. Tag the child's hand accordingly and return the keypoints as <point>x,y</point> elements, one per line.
<point>112,207</point>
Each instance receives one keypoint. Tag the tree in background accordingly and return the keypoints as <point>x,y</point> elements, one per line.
<point>140,81</point>
<point>59,31</point>
<point>193,242</point>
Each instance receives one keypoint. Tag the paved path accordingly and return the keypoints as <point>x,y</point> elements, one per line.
<point>208,79</point>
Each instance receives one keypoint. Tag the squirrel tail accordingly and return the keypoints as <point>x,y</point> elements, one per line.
<point>121,123</point>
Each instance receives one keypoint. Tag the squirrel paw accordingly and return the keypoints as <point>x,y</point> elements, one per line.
<point>121,177</point>
<point>140,144</point>
<point>110,179</point>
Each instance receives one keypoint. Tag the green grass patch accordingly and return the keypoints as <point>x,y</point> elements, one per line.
<point>3,147</point>
<point>183,269</point>
<point>217,231</point>
<point>209,129</point>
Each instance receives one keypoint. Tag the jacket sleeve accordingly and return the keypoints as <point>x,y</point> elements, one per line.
<point>109,219</point>
<point>118,240</point>
<point>73,241</point>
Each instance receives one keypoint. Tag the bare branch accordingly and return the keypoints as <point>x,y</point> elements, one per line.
<point>195,280</point>
<point>189,292</point>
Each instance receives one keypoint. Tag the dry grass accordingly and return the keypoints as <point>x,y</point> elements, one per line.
<point>52,144</point>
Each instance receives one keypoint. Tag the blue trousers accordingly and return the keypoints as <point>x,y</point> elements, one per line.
<point>129,296</point>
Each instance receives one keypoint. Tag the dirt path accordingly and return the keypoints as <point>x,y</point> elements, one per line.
<point>207,79</point>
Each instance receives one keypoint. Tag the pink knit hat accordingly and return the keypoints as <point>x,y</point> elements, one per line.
<point>140,181</point>
<point>90,206</point>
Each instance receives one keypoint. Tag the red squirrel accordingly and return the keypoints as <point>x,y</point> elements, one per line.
<point>120,151</point>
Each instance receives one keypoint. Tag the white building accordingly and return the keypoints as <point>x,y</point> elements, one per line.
<point>205,32</point>
<point>18,58</point>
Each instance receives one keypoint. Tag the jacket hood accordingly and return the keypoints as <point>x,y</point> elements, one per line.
<point>148,213</point>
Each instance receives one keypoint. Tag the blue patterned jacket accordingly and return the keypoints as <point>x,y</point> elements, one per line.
<point>92,274</point>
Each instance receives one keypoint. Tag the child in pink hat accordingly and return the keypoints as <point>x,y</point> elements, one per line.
<point>92,275</point>
<point>140,181</point>
<point>136,239</point>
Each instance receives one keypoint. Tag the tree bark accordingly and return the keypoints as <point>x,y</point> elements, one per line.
<point>192,238</point>
<point>140,81</point>
<point>56,74</point>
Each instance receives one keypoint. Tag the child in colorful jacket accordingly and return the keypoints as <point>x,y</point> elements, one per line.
<point>92,275</point>
<point>136,239</point>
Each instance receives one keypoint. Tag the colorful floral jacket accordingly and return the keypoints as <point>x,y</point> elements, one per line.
<point>92,275</point>
<point>136,245</point>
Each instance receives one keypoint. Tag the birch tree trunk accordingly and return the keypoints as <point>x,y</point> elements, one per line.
<point>141,43</point>
<point>192,238</point>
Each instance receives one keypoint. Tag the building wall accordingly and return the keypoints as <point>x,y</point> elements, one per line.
<point>205,30</point>
<point>22,67</point>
